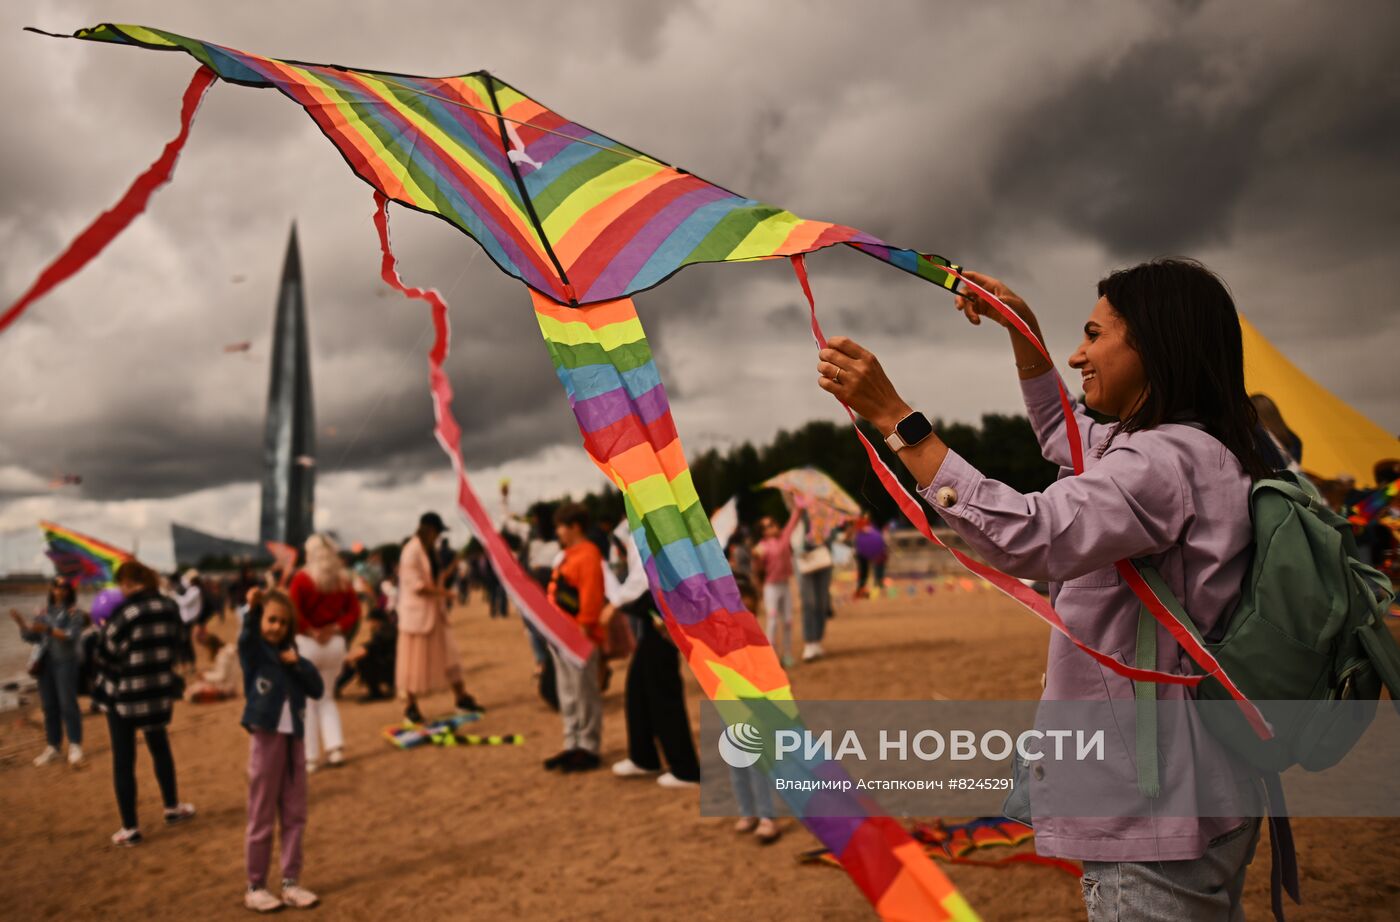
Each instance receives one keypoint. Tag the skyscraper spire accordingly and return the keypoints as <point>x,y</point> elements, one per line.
<point>289,440</point>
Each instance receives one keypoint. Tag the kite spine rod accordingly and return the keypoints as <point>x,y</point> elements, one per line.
<point>631,155</point>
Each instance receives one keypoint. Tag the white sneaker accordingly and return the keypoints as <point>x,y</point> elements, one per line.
<point>261,900</point>
<point>297,897</point>
<point>629,769</point>
<point>126,838</point>
<point>669,780</point>
<point>333,758</point>
<point>311,766</point>
<point>812,651</point>
<point>178,814</point>
<point>75,754</point>
<point>45,757</point>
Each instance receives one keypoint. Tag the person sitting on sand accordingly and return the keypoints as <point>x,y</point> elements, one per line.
<point>277,683</point>
<point>224,679</point>
<point>373,661</point>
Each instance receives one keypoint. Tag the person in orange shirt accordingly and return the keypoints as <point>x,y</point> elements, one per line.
<point>576,588</point>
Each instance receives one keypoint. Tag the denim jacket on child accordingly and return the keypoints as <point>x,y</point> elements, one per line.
<point>267,681</point>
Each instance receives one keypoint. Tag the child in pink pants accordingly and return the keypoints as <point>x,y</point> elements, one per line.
<point>276,684</point>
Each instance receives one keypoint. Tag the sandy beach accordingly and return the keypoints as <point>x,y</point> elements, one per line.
<point>483,832</point>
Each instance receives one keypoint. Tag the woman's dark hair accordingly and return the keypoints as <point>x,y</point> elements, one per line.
<point>62,588</point>
<point>1183,324</point>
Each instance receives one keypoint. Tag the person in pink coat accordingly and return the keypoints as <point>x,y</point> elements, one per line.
<point>427,656</point>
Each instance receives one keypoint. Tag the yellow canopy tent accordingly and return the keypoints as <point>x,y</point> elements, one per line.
<point>1336,438</point>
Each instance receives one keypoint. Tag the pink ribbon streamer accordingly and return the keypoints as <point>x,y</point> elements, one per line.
<point>559,629</point>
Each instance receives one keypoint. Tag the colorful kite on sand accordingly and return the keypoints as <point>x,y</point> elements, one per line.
<point>587,222</point>
<point>82,558</point>
<point>956,842</point>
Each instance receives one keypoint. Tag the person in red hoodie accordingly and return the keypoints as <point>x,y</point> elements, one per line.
<point>327,612</point>
<point>576,588</point>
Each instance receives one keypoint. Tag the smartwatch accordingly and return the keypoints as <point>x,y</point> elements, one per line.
<point>911,430</point>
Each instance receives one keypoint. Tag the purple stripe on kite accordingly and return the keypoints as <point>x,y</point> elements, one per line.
<point>550,144</point>
<point>691,601</point>
<point>630,258</point>
<point>863,237</point>
<point>599,412</point>
<point>835,832</point>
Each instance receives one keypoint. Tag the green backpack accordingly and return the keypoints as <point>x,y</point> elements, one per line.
<point>1310,627</point>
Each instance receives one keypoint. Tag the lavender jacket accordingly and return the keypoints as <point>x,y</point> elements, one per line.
<point>1173,495</point>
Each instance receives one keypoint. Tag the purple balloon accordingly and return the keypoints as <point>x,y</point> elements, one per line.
<point>105,603</point>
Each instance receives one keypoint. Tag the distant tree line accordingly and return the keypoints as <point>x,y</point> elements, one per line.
<point>1002,447</point>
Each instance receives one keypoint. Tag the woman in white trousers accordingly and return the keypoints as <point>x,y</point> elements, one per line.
<point>327,614</point>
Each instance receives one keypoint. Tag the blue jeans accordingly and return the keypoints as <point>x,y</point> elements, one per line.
<point>752,792</point>
<point>815,588</point>
<point>58,693</point>
<point>1205,889</point>
<point>539,647</point>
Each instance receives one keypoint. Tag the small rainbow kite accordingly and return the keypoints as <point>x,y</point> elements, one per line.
<point>82,558</point>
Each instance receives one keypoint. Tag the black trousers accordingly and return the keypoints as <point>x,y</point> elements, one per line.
<point>124,765</point>
<point>656,705</point>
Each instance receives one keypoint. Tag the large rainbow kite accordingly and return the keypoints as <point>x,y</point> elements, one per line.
<point>82,558</point>
<point>586,222</point>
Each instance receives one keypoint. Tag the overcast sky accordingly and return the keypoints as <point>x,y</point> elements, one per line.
<point>1043,142</point>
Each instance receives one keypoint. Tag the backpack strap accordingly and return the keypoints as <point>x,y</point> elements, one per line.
<point>1283,876</point>
<point>1145,696</point>
<point>1145,693</point>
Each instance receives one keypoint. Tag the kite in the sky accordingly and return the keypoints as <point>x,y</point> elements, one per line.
<point>83,559</point>
<point>587,222</point>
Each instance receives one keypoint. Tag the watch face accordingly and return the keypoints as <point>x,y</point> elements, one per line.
<point>914,428</point>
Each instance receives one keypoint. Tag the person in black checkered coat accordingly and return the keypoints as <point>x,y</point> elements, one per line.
<point>138,687</point>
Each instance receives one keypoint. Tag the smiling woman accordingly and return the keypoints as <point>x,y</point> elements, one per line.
<point>1168,482</point>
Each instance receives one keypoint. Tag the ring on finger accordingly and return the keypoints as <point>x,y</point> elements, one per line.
<point>836,378</point>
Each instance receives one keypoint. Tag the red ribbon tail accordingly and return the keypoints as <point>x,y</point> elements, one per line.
<point>110,223</point>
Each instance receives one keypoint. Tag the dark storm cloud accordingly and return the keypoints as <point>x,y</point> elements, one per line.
<point>1139,155</point>
<point>1113,159</point>
<point>1044,141</point>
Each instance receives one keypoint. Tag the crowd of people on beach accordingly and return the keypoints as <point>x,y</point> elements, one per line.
<point>306,635</point>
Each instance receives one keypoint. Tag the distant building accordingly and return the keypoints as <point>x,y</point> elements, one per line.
<point>193,546</point>
<point>289,441</point>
